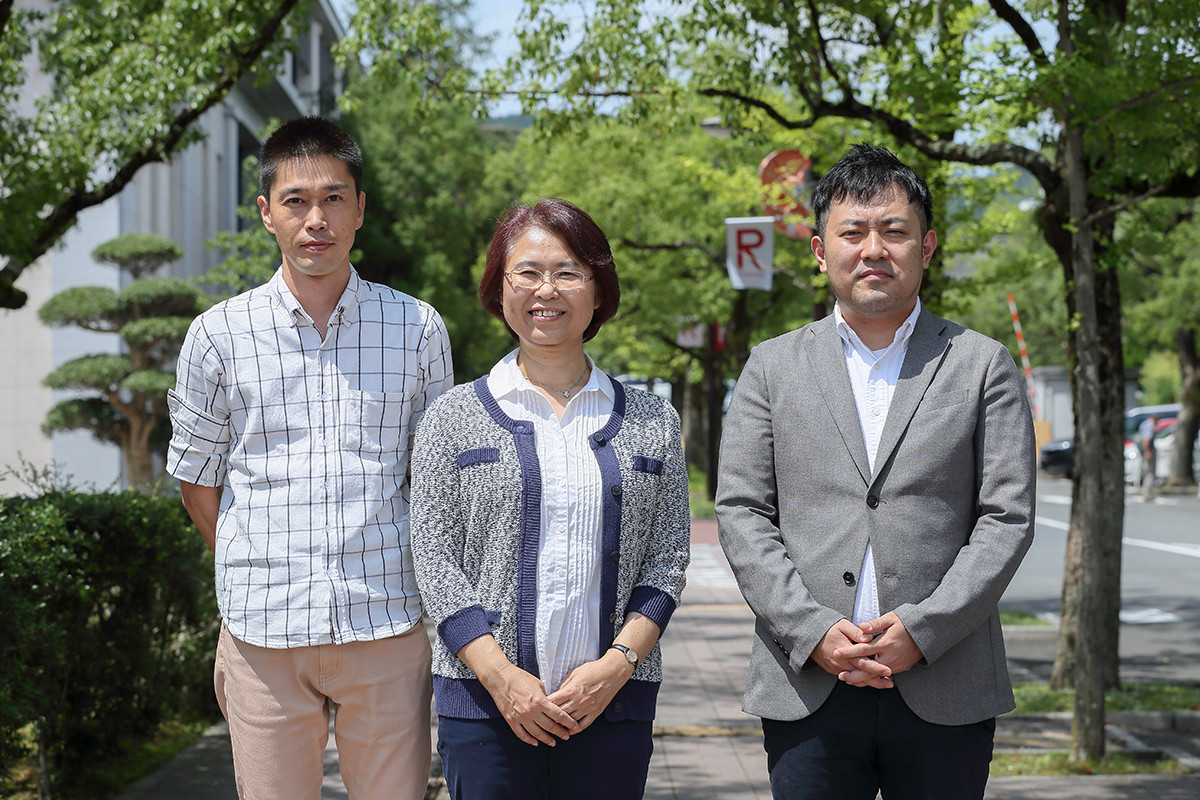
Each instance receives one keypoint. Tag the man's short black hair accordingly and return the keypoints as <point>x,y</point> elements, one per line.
<point>307,137</point>
<point>865,172</point>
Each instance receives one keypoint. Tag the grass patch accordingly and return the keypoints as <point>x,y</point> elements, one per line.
<point>698,502</point>
<point>1057,764</point>
<point>1039,698</point>
<point>1022,618</point>
<point>136,762</point>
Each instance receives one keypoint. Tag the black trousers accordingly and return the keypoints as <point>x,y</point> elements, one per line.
<point>863,741</point>
<point>484,760</point>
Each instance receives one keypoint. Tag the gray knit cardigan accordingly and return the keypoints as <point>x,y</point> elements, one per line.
<point>476,506</point>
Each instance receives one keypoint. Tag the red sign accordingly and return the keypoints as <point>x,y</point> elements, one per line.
<point>787,176</point>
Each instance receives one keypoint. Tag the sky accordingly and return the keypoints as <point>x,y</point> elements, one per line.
<point>498,17</point>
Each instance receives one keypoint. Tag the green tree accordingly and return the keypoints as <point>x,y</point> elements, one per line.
<point>126,402</point>
<point>1095,99</point>
<point>661,193</point>
<point>127,80</point>
<point>429,217</point>
<point>1162,241</point>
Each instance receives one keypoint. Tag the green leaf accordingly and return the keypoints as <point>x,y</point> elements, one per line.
<point>102,373</point>
<point>95,308</point>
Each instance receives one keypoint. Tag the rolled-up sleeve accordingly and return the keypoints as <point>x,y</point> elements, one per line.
<point>200,430</point>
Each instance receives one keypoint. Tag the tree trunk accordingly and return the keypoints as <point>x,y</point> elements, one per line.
<point>1182,454</point>
<point>1087,514</point>
<point>139,461</point>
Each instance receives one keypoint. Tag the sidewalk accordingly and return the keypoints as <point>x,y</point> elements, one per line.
<point>707,749</point>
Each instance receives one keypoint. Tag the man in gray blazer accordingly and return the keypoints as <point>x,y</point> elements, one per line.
<point>875,497</point>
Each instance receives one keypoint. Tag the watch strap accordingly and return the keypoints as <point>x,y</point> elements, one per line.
<point>630,655</point>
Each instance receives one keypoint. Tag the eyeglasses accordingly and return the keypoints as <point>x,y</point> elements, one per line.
<point>529,279</point>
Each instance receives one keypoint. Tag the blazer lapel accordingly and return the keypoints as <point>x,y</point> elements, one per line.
<point>823,346</point>
<point>926,349</point>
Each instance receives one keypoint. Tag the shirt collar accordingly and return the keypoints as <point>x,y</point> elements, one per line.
<point>903,333</point>
<point>344,312</point>
<point>506,379</point>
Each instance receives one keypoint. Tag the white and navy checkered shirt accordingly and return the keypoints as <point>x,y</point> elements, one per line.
<point>310,441</point>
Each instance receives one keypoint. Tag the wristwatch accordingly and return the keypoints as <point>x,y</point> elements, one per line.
<point>630,655</point>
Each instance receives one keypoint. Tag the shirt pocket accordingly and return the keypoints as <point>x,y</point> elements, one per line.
<point>376,422</point>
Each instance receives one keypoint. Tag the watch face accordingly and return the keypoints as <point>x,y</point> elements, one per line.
<point>631,656</point>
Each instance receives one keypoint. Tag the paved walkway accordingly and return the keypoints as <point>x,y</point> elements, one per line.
<point>706,748</point>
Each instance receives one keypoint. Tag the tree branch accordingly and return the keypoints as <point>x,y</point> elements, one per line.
<point>1022,28</point>
<point>676,245</point>
<point>5,14</point>
<point>1146,97</point>
<point>1096,216</point>
<point>160,148</point>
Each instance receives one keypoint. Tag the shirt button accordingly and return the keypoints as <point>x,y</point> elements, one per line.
<point>876,411</point>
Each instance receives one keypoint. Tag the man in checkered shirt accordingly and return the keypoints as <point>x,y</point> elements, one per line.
<point>293,415</point>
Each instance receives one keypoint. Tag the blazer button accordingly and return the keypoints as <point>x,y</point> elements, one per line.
<point>616,490</point>
<point>848,577</point>
<point>872,501</point>
<point>615,557</point>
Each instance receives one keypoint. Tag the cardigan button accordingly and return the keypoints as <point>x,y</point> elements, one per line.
<point>598,438</point>
<point>615,557</point>
<point>618,707</point>
<point>616,490</point>
<point>613,618</point>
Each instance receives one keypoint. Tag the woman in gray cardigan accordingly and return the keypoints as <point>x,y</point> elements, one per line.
<point>550,535</point>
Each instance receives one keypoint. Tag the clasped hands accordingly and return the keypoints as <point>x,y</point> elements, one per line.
<point>535,716</point>
<point>867,655</point>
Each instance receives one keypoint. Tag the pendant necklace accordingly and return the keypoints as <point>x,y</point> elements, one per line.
<point>567,391</point>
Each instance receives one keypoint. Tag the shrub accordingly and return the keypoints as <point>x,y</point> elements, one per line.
<point>109,605</point>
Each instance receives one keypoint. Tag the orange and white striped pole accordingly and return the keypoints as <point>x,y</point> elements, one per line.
<point>1016,319</point>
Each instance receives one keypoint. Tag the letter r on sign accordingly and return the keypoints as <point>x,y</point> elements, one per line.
<point>747,240</point>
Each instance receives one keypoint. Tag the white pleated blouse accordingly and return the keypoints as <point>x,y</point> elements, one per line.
<point>568,571</point>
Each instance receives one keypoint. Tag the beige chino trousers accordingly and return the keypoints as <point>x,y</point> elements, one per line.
<point>277,704</point>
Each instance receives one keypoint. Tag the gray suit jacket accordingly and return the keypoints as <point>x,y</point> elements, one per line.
<point>948,512</point>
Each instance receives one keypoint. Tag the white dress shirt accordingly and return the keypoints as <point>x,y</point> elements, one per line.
<point>567,630</point>
<point>309,437</point>
<point>873,377</point>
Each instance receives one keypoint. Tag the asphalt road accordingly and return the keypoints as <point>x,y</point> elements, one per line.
<point>1160,579</point>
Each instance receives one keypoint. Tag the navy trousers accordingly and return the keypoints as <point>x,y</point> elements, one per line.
<point>483,759</point>
<point>863,741</point>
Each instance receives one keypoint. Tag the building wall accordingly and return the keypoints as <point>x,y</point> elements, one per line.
<point>188,200</point>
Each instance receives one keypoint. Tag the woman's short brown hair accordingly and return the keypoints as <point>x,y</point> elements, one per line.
<point>583,238</point>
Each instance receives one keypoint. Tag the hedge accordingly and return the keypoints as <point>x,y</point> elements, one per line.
<point>108,627</point>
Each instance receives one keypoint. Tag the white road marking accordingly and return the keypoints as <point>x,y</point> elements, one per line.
<point>1178,548</point>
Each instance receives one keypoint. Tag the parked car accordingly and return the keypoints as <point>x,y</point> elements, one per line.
<point>1057,457</point>
<point>1135,416</point>
<point>1164,442</point>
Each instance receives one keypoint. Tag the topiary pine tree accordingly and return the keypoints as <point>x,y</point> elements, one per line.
<point>125,402</point>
